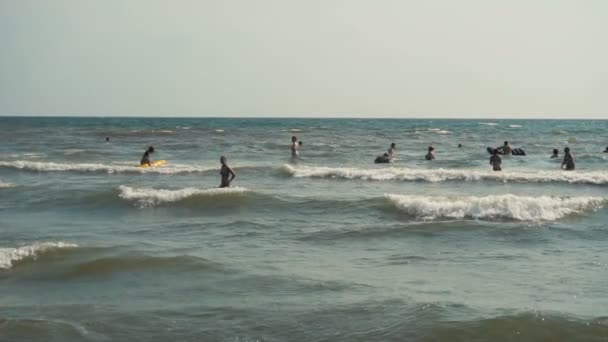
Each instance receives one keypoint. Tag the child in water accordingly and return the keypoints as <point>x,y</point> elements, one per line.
<point>146,157</point>
<point>226,171</point>
<point>555,153</point>
<point>295,147</point>
<point>568,160</point>
<point>431,154</point>
<point>495,160</point>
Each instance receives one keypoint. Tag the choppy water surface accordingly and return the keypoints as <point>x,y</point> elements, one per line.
<point>328,248</point>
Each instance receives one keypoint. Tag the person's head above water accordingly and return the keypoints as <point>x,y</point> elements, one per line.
<point>150,149</point>
<point>107,139</point>
<point>393,145</point>
<point>459,145</point>
<point>223,160</point>
<point>294,138</point>
<point>506,143</point>
<point>555,151</point>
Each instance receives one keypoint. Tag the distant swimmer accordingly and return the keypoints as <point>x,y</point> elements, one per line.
<point>295,147</point>
<point>459,145</point>
<point>506,149</point>
<point>606,150</point>
<point>568,160</point>
<point>555,153</point>
<point>107,139</point>
<point>392,151</point>
<point>430,154</point>
<point>495,160</point>
<point>146,158</point>
<point>226,172</point>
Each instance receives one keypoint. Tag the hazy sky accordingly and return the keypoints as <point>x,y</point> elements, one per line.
<point>465,58</point>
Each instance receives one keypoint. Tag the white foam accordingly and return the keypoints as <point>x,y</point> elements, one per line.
<point>4,185</point>
<point>520,208</point>
<point>146,197</point>
<point>488,123</point>
<point>98,167</point>
<point>9,256</point>
<point>441,175</point>
<point>515,126</point>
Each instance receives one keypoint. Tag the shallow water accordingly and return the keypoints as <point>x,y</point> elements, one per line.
<point>328,248</point>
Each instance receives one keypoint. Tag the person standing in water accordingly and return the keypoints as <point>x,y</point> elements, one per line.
<point>392,152</point>
<point>295,147</point>
<point>506,149</point>
<point>145,160</point>
<point>555,153</point>
<point>495,160</point>
<point>568,160</point>
<point>431,154</point>
<point>226,172</point>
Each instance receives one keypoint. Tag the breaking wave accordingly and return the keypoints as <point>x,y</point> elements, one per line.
<point>102,168</point>
<point>10,256</point>
<point>146,197</point>
<point>4,185</point>
<point>442,175</point>
<point>510,207</point>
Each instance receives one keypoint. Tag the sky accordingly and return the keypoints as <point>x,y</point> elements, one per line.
<point>306,58</point>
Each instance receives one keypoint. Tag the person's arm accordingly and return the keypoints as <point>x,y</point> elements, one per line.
<point>232,173</point>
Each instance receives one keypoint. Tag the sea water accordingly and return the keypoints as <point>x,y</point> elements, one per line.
<point>328,247</point>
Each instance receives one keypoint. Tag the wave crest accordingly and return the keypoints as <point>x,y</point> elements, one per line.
<point>10,256</point>
<point>98,167</point>
<point>512,207</point>
<point>441,175</point>
<point>147,197</point>
<point>4,185</point>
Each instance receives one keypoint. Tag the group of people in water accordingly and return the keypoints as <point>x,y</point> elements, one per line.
<point>568,162</point>
<point>228,175</point>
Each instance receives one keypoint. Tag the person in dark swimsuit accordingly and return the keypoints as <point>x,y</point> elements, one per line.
<point>506,149</point>
<point>226,171</point>
<point>495,160</point>
<point>568,160</point>
<point>146,157</point>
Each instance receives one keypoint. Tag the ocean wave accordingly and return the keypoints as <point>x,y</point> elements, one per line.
<point>515,126</point>
<point>98,167</point>
<point>442,175</point>
<point>488,123</point>
<point>146,197</point>
<point>4,185</point>
<point>10,256</point>
<point>511,207</point>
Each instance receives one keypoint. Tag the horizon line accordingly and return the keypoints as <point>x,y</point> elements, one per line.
<point>255,116</point>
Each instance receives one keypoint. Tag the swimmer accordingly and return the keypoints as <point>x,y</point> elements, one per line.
<point>495,160</point>
<point>431,154</point>
<point>382,159</point>
<point>295,147</point>
<point>555,153</point>
<point>459,145</point>
<point>606,150</point>
<point>226,172</point>
<point>392,152</point>
<point>146,158</point>
<point>107,139</point>
<point>506,149</point>
<point>568,160</point>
